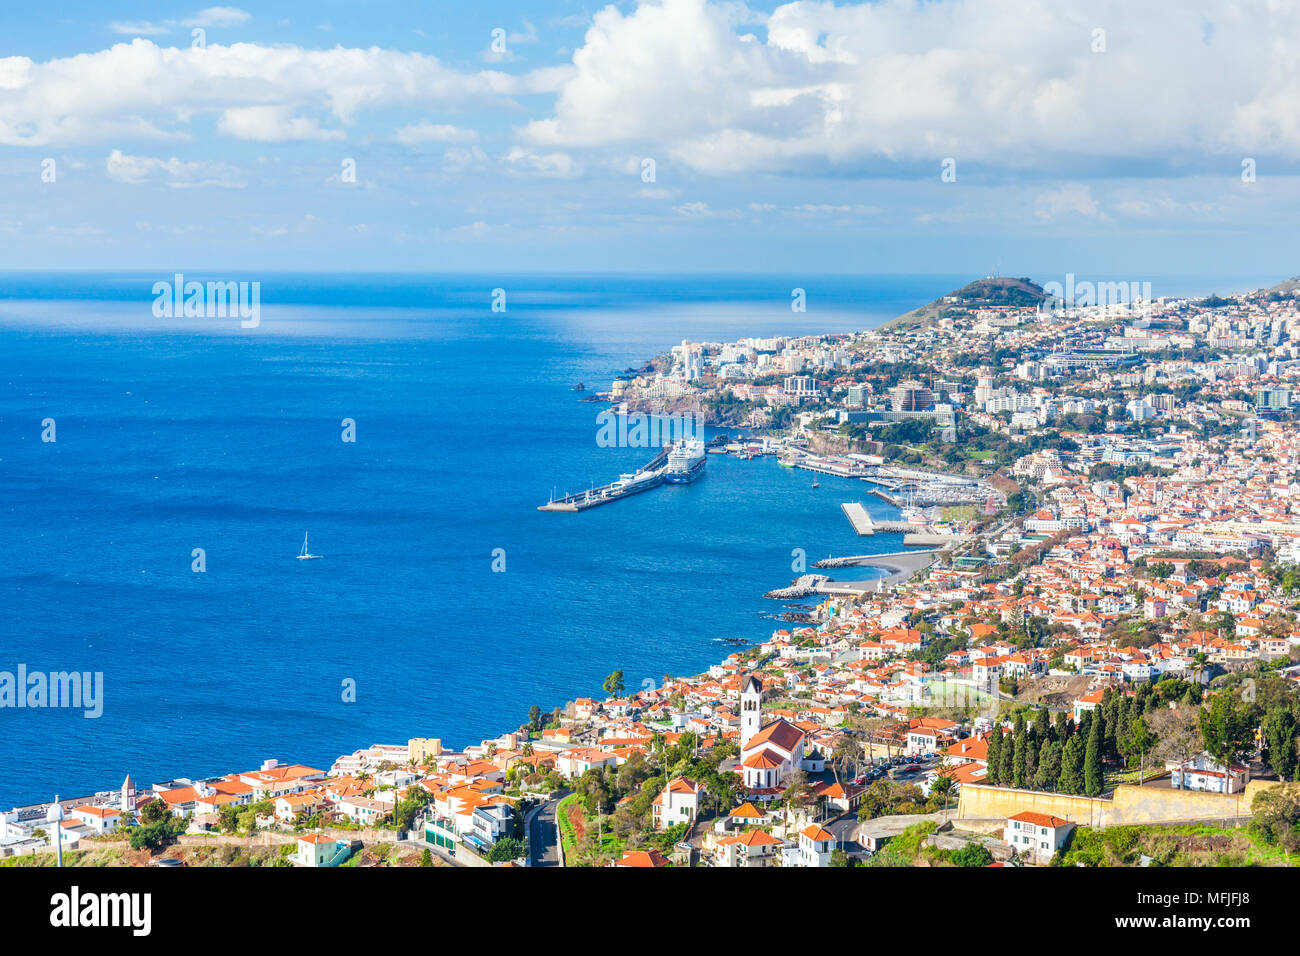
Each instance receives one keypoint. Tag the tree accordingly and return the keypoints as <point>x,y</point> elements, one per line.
<point>614,684</point>
<point>1006,760</point>
<point>994,756</point>
<point>1042,725</point>
<point>1274,815</point>
<point>1049,765</point>
<point>154,811</point>
<point>972,854</point>
<point>942,786</point>
<point>1092,774</point>
<point>1178,736</point>
<point>426,858</point>
<point>1020,746</point>
<point>1228,727</point>
<point>151,836</point>
<point>1139,741</point>
<point>505,849</point>
<point>1280,731</point>
<point>1071,778</point>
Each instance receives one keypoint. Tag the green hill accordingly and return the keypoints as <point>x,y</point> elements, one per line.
<point>989,291</point>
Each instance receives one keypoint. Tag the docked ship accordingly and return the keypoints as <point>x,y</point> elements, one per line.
<point>685,462</point>
<point>630,484</point>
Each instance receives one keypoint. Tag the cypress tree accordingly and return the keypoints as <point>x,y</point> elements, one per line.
<point>1092,777</point>
<point>994,756</point>
<point>1007,762</point>
<point>1032,748</point>
<point>1049,765</point>
<point>1018,755</point>
<point>1042,725</point>
<point>1071,777</point>
<point>1280,731</point>
<point>1063,727</point>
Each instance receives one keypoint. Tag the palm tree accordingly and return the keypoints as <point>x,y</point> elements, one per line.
<point>1199,662</point>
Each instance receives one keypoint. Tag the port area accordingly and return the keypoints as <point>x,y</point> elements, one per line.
<point>913,534</point>
<point>901,565</point>
<point>896,485</point>
<point>649,475</point>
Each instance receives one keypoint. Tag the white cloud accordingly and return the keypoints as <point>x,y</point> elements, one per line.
<point>547,165</point>
<point>173,172</point>
<point>831,209</point>
<point>434,133</point>
<point>218,17</point>
<point>460,159</point>
<point>141,28</point>
<point>692,209</point>
<point>273,124</point>
<point>1070,199</point>
<point>1008,83</point>
<point>145,91</point>
<point>210,17</point>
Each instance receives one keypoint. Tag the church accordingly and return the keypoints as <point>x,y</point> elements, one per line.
<point>769,752</point>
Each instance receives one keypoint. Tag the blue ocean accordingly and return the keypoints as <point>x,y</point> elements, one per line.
<point>177,434</point>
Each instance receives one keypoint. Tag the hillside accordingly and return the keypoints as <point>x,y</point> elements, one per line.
<point>989,291</point>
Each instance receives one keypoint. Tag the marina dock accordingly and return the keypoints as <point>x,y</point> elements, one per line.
<point>864,525</point>
<point>895,484</point>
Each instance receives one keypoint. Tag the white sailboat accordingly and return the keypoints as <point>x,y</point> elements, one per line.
<point>304,554</point>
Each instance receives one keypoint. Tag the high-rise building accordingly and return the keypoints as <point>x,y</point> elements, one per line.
<point>912,397</point>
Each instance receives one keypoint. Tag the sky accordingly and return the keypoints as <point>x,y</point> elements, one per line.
<point>1027,137</point>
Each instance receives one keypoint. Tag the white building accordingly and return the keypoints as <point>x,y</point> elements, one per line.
<point>769,752</point>
<point>1036,835</point>
<point>1204,773</point>
<point>678,803</point>
<point>815,846</point>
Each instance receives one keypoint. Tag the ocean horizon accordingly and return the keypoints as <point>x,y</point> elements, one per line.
<point>177,434</point>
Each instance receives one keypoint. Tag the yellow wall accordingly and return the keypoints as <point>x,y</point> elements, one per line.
<point>1130,804</point>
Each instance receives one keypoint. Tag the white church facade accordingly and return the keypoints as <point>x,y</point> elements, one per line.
<point>769,752</point>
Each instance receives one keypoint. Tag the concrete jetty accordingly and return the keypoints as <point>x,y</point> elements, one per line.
<point>865,525</point>
<point>805,585</point>
<point>858,517</point>
<point>650,475</point>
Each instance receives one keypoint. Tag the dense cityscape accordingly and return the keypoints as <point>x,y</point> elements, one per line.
<point>1089,657</point>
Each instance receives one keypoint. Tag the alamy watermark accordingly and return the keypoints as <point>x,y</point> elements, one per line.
<point>41,690</point>
<point>1074,293</point>
<point>641,430</point>
<point>211,300</point>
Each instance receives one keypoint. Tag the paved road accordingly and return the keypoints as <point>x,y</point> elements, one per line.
<point>845,829</point>
<point>543,835</point>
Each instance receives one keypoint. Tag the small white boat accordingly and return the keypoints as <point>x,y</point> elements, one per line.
<point>304,554</point>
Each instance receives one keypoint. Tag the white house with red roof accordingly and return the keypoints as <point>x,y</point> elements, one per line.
<point>1087,702</point>
<point>1036,835</point>
<point>1204,773</point>
<point>752,848</point>
<point>679,802</point>
<point>99,819</point>
<point>815,846</point>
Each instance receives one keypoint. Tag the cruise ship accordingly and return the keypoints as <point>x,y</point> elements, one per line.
<point>685,462</point>
<point>630,484</point>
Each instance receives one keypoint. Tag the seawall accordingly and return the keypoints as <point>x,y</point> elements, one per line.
<point>1129,804</point>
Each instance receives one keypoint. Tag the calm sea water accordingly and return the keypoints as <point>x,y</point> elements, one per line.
<point>181,434</point>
